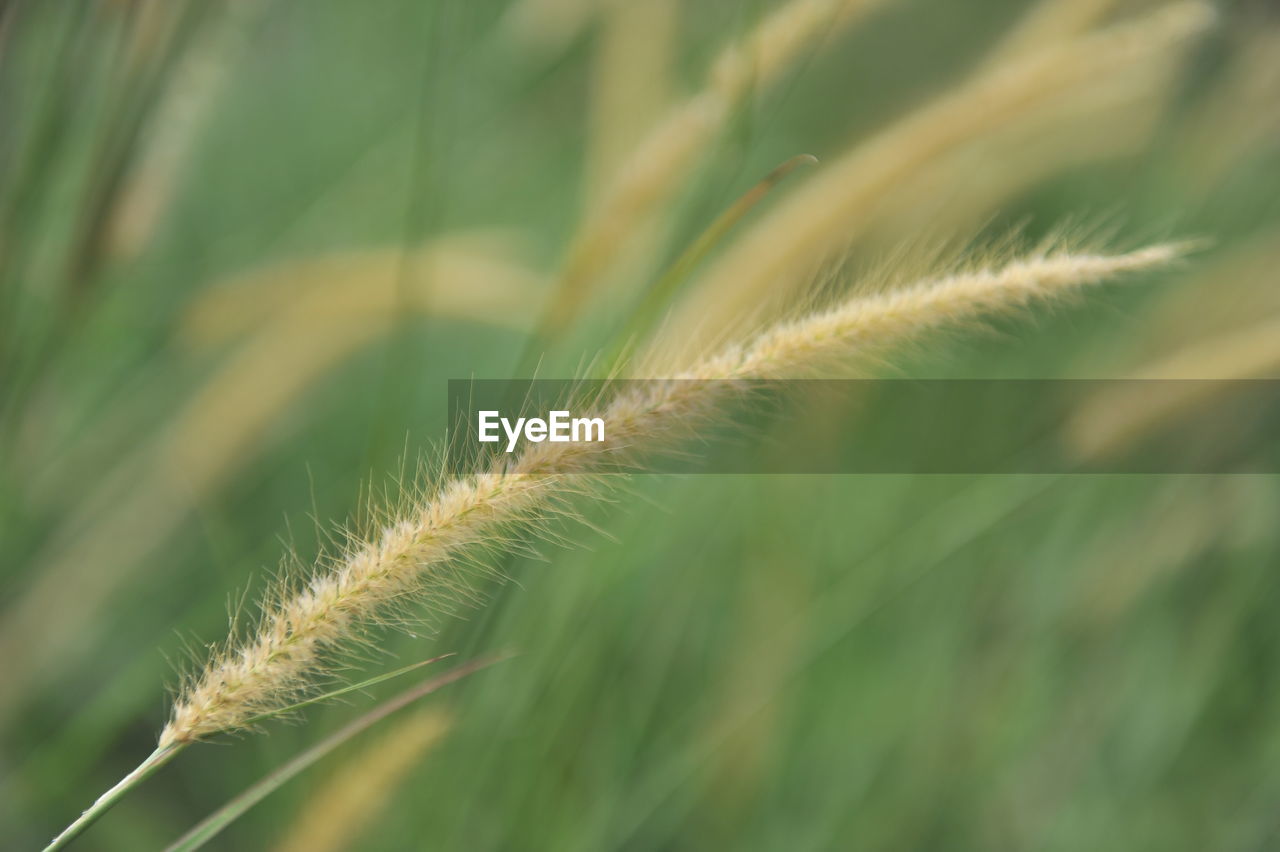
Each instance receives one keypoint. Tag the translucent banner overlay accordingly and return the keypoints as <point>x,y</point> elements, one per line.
<point>883,426</point>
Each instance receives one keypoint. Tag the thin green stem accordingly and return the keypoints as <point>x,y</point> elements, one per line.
<point>213,824</point>
<point>660,294</point>
<point>145,770</point>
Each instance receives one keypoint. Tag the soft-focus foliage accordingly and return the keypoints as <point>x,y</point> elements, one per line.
<point>243,245</point>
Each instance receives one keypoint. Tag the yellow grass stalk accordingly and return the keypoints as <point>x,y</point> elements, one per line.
<point>1237,115</point>
<point>197,80</point>
<point>1050,22</point>
<point>962,188</point>
<point>477,275</point>
<point>1235,291</point>
<point>783,247</point>
<point>662,161</point>
<point>630,85</point>
<point>417,551</point>
<point>325,310</point>
<point>336,815</point>
<point>1115,418</point>
<point>318,314</point>
<point>630,89</point>
<point>1219,326</point>
<point>782,37</point>
<point>546,27</point>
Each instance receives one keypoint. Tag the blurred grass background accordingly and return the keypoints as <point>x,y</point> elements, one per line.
<point>747,662</point>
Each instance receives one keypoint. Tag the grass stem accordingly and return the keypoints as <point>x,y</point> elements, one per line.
<point>212,825</point>
<point>107,800</point>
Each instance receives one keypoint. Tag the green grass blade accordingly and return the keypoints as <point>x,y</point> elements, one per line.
<point>355,687</point>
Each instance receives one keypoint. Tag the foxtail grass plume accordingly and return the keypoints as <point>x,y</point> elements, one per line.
<point>419,552</point>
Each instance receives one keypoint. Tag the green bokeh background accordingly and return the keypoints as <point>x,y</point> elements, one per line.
<point>785,663</point>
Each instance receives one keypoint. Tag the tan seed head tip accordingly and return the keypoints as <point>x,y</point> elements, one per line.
<point>1165,254</point>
